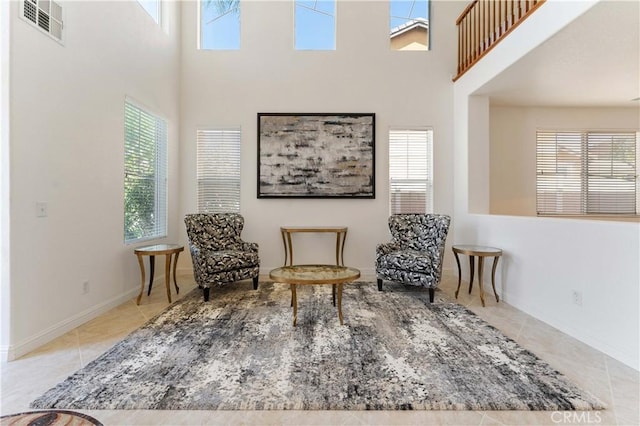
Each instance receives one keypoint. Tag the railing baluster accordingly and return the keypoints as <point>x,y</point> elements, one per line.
<point>493,23</point>
<point>483,23</point>
<point>482,3</point>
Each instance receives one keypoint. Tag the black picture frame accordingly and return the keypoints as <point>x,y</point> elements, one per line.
<point>316,155</point>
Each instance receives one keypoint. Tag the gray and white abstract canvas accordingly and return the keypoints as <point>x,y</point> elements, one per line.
<point>316,155</point>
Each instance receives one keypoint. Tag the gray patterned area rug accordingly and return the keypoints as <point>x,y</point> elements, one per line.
<point>240,351</point>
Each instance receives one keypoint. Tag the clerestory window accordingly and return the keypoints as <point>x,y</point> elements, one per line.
<point>153,8</point>
<point>409,24</point>
<point>315,24</point>
<point>219,25</point>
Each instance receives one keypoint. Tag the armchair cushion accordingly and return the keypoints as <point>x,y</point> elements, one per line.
<point>407,260</point>
<point>228,260</point>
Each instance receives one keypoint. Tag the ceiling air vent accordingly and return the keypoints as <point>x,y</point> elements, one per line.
<point>44,14</point>
<point>30,11</point>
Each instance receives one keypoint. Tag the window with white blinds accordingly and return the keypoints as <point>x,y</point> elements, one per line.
<point>587,173</point>
<point>145,175</point>
<point>411,170</point>
<point>218,171</point>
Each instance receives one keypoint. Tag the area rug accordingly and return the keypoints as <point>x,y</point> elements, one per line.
<point>239,351</point>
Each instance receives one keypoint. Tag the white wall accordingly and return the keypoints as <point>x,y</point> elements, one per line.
<point>228,88</point>
<point>5,288</point>
<point>546,259</point>
<point>513,147</point>
<point>67,131</point>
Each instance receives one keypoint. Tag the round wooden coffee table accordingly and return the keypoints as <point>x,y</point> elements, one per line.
<point>315,274</point>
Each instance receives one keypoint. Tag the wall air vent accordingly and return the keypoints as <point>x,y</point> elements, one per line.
<point>45,15</point>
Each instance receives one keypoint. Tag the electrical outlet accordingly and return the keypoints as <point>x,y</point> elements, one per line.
<point>577,298</point>
<point>41,209</point>
<point>85,287</point>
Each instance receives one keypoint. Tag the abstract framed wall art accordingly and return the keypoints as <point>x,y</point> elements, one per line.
<point>316,155</point>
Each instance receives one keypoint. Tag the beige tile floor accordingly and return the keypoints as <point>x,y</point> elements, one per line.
<point>614,383</point>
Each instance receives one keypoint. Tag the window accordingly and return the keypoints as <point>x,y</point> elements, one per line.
<point>411,170</point>
<point>409,24</point>
<point>45,15</point>
<point>145,175</point>
<point>218,170</point>
<point>315,25</point>
<point>219,24</point>
<point>153,8</point>
<point>587,173</point>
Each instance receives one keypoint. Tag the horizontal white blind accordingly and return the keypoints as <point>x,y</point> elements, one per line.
<point>218,173</point>
<point>411,171</point>
<point>585,173</point>
<point>611,173</point>
<point>145,180</point>
<point>559,173</point>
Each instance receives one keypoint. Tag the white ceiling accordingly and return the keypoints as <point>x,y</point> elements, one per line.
<point>595,61</point>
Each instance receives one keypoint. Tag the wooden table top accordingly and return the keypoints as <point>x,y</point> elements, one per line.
<point>314,274</point>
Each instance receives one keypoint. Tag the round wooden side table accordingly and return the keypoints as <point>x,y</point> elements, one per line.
<point>157,250</point>
<point>480,252</point>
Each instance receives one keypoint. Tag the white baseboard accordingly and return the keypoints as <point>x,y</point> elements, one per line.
<point>13,352</point>
<point>4,353</point>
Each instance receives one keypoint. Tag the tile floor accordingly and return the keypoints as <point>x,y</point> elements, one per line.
<point>614,383</point>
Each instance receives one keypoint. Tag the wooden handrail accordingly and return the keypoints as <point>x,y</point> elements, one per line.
<point>483,23</point>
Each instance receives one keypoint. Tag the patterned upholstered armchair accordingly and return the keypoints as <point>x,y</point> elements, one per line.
<point>218,253</point>
<point>415,254</point>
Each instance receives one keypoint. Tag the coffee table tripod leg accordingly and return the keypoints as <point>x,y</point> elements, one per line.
<point>340,303</point>
<point>471,267</point>
<point>333,292</point>
<point>480,273</point>
<point>294,302</point>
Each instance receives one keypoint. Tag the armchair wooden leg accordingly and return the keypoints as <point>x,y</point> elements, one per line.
<point>206,293</point>
<point>432,293</point>
<point>379,284</point>
<point>255,282</point>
